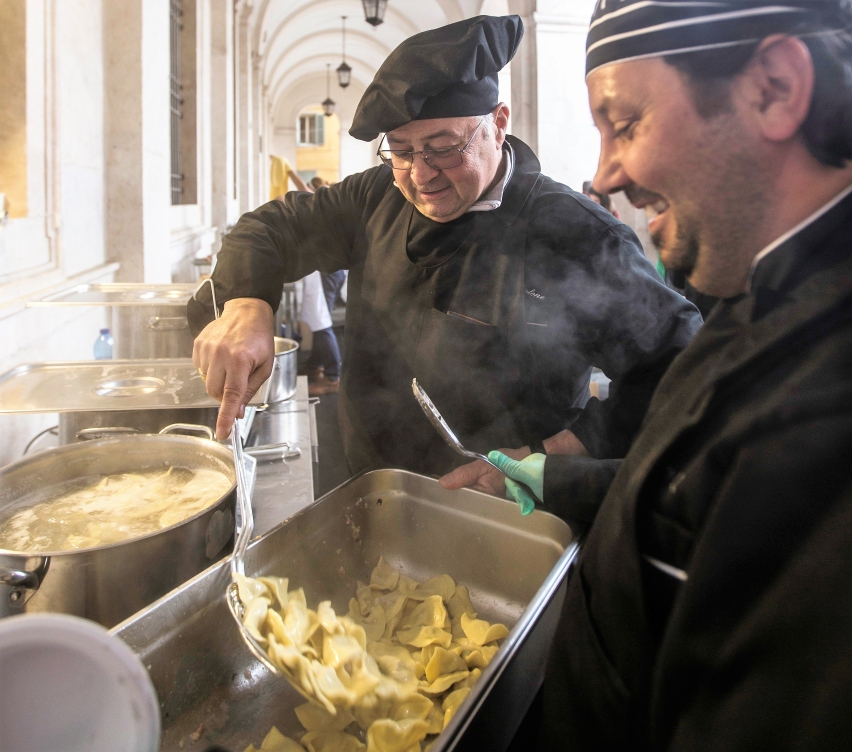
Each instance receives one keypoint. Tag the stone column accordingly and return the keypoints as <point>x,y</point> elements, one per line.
<point>203,126</point>
<point>284,143</point>
<point>524,119</point>
<point>257,148</point>
<point>355,155</point>
<point>137,145</point>
<point>243,104</point>
<point>568,142</point>
<point>220,117</point>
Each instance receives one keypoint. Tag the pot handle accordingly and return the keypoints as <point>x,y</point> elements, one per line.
<point>23,578</point>
<point>86,434</point>
<point>285,450</point>
<point>24,582</point>
<point>188,428</point>
<point>167,323</point>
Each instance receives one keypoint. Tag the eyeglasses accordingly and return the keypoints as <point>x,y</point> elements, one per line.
<point>438,159</point>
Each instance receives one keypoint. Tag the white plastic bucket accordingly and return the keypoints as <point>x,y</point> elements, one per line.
<point>67,685</point>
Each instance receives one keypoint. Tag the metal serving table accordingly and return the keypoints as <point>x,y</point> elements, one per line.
<point>209,684</point>
<point>145,395</point>
<point>68,386</point>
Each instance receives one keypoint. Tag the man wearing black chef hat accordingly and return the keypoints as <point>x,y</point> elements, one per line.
<point>711,606</point>
<point>495,286</point>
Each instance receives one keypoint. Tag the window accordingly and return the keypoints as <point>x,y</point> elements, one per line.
<point>311,130</point>
<point>28,151</point>
<point>13,109</point>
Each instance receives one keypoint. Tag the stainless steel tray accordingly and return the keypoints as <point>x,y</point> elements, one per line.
<point>514,566</point>
<point>119,294</point>
<point>106,385</point>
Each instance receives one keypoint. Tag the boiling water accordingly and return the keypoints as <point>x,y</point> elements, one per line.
<point>89,512</point>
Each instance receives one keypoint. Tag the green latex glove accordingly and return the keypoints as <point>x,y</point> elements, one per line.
<point>529,470</point>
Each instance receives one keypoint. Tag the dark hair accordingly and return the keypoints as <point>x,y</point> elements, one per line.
<point>827,130</point>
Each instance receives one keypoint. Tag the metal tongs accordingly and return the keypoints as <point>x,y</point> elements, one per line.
<point>243,532</point>
<point>446,433</point>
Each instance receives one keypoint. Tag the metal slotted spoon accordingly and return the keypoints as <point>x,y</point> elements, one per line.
<point>446,433</point>
<point>243,532</point>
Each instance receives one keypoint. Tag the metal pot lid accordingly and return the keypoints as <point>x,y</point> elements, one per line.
<point>73,386</point>
<point>119,294</point>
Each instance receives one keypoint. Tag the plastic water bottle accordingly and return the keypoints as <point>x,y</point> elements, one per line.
<point>103,346</point>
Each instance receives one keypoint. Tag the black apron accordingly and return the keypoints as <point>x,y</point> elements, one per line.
<point>444,303</point>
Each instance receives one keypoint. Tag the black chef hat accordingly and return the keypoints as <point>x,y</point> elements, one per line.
<point>445,72</point>
<point>624,30</point>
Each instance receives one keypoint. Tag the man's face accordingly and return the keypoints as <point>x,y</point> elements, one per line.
<point>444,195</point>
<point>699,180</point>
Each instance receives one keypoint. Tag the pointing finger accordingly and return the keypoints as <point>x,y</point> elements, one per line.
<point>233,398</point>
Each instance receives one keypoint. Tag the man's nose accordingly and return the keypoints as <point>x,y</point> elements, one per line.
<point>610,176</point>
<point>421,171</point>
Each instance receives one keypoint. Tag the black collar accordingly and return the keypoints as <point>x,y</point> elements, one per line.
<point>819,245</point>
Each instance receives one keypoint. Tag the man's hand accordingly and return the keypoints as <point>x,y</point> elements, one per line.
<point>234,355</point>
<point>564,442</point>
<point>481,476</point>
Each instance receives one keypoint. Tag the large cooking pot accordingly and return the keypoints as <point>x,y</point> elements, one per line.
<point>73,426</point>
<point>148,320</point>
<point>111,582</point>
<point>282,381</point>
<point>152,331</point>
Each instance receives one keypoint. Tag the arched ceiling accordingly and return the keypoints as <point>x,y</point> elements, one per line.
<point>293,40</point>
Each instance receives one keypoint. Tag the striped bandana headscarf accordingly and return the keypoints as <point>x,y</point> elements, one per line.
<point>624,30</point>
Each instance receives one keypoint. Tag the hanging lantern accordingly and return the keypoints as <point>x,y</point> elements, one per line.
<point>374,11</point>
<point>328,103</point>
<point>344,72</point>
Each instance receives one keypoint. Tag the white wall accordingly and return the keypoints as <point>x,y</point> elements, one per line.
<point>80,134</point>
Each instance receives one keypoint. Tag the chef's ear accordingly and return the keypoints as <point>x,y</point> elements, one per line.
<point>776,89</point>
<point>501,123</point>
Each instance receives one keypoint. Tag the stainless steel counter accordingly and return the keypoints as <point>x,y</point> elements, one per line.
<point>284,487</point>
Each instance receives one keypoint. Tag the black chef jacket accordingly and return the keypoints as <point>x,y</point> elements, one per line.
<point>741,477</point>
<point>500,315</point>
